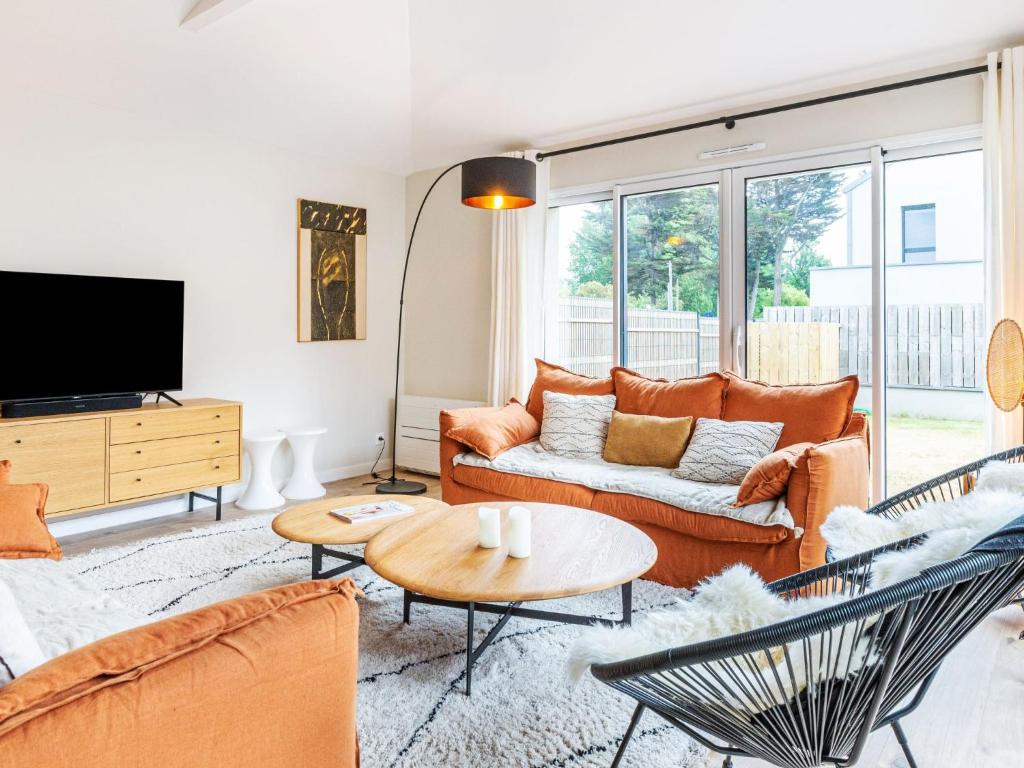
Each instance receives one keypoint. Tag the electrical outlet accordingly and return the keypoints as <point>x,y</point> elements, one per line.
<point>379,439</point>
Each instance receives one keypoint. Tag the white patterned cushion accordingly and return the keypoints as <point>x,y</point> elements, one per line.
<point>576,425</point>
<point>724,451</point>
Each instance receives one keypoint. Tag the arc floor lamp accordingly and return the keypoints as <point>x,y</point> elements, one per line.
<point>493,183</point>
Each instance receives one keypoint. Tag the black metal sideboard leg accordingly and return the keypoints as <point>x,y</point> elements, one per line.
<point>220,498</point>
<point>406,605</point>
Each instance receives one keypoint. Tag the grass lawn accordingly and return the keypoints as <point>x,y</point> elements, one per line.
<point>919,449</point>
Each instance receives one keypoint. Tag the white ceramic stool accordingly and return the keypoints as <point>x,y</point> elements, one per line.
<point>261,493</point>
<point>303,483</point>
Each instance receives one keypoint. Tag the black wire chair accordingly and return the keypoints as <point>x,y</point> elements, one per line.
<point>810,690</point>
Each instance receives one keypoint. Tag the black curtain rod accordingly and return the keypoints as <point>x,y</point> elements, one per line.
<point>730,120</point>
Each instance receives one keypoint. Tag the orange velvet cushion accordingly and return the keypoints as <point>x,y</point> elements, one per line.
<point>5,472</point>
<point>699,397</point>
<point>769,477</point>
<point>129,655</point>
<point>555,378</point>
<point>812,413</point>
<point>491,431</point>
<point>23,531</point>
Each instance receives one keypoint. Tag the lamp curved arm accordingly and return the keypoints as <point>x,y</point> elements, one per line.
<point>401,309</point>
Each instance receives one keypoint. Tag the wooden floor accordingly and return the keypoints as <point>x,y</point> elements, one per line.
<point>973,716</point>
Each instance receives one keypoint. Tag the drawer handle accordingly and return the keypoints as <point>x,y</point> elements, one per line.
<point>138,423</point>
<point>138,452</point>
<point>18,441</point>
<point>216,416</point>
<point>138,479</point>
<point>216,442</point>
<point>216,466</point>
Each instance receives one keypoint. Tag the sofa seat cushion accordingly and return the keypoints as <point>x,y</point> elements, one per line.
<point>522,487</point>
<point>641,511</point>
<point>530,461</point>
<point>697,397</point>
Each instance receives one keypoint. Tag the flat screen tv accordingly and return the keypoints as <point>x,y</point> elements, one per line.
<point>67,336</point>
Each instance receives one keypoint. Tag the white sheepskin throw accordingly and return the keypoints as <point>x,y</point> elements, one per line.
<point>732,602</point>
<point>1000,476</point>
<point>849,530</point>
<point>737,601</point>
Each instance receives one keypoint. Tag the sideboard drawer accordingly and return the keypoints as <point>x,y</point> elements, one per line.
<point>176,477</point>
<point>165,423</point>
<point>69,457</point>
<point>174,450</point>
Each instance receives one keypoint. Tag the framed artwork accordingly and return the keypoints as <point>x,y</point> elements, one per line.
<point>332,272</point>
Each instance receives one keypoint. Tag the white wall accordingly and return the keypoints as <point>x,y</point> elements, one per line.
<point>448,296</point>
<point>950,282</point>
<point>92,191</point>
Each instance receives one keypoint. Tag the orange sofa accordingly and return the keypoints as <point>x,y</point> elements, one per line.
<point>265,680</point>
<point>692,546</point>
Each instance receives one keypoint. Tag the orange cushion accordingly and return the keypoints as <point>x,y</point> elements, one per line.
<point>554,378</point>
<point>23,531</point>
<point>699,397</point>
<point>491,431</point>
<point>812,413</point>
<point>5,472</point>
<point>229,630</point>
<point>769,477</point>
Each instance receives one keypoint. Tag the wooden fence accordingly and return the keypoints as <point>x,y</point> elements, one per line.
<point>790,353</point>
<point>938,346</point>
<point>661,343</point>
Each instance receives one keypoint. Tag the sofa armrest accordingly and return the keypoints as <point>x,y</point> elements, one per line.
<point>268,679</point>
<point>826,476</point>
<point>450,448</point>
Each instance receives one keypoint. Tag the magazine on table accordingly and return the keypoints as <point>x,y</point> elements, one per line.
<point>365,513</point>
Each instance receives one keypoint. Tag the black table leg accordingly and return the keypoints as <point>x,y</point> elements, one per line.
<point>406,605</point>
<point>318,560</point>
<point>470,610</point>
<point>627,603</point>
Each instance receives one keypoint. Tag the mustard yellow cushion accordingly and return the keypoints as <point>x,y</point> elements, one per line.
<point>647,441</point>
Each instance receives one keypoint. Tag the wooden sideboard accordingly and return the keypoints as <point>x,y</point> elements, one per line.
<point>97,460</point>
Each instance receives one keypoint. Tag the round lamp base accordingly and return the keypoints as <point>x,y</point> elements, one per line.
<point>407,487</point>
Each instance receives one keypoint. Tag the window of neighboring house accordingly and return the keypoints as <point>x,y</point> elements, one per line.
<point>918,233</point>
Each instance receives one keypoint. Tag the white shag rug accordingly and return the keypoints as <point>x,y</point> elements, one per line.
<point>411,706</point>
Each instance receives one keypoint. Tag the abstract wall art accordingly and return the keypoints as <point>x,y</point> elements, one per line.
<point>332,272</point>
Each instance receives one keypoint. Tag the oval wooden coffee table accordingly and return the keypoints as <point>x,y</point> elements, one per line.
<point>310,523</point>
<point>435,558</point>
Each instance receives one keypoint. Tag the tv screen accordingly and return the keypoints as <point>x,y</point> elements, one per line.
<point>72,335</point>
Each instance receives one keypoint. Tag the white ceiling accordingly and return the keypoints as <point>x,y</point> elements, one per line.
<point>405,84</point>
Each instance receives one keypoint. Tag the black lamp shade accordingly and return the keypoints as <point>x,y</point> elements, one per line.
<point>499,183</point>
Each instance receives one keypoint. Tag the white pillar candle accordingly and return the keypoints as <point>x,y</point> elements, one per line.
<point>490,527</point>
<point>519,532</point>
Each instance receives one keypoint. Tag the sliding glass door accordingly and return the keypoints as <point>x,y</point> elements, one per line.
<point>935,333</point>
<point>670,281</point>
<point>864,262</point>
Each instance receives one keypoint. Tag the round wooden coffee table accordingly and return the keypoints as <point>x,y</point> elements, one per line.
<point>310,523</point>
<point>434,557</point>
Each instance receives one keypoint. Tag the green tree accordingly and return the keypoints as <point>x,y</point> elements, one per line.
<point>786,215</point>
<point>785,218</point>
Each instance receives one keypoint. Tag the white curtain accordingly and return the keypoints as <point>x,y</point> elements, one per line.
<point>1004,215</point>
<point>517,293</point>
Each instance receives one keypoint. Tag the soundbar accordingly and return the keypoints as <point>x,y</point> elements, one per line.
<point>26,408</point>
